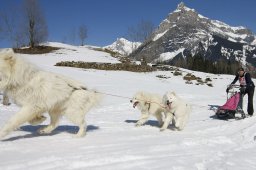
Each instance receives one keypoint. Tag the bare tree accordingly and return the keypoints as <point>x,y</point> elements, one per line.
<point>35,24</point>
<point>82,33</point>
<point>11,28</point>
<point>72,35</point>
<point>140,32</point>
<point>24,25</point>
<point>64,39</point>
<point>1,29</point>
<point>7,24</point>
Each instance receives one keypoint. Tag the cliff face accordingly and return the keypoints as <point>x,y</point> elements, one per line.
<point>186,33</point>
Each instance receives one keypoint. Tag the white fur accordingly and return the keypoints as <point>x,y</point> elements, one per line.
<point>148,104</point>
<point>37,92</point>
<point>5,99</point>
<point>177,111</point>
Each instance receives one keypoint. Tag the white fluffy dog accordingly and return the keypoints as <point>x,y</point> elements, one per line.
<point>177,111</point>
<point>38,91</point>
<point>148,104</point>
<point>5,99</point>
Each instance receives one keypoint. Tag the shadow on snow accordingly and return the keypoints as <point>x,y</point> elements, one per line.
<point>33,131</point>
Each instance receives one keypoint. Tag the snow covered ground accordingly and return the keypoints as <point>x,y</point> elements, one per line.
<point>114,143</point>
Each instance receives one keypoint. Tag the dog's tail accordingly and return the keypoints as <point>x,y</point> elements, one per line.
<point>83,100</point>
<point>96,96</point>
<point>93,99</point>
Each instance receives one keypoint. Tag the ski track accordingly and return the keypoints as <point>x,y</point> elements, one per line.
<point>113,141</point>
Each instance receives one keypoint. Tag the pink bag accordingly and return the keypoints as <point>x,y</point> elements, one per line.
<point>232,102</point>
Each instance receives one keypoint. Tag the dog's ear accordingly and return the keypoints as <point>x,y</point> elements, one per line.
<point>142,94</point>
<point>173,93</point>
<point>9,58</point>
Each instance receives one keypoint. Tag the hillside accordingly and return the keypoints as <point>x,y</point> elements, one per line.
<point>113,141</point>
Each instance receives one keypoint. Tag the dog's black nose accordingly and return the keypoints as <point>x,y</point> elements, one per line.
<point>131,101</point>
<point>167,102</point>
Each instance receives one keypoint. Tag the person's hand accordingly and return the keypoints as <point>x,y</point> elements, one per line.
<point>242,90</point>
<point>227,90</point>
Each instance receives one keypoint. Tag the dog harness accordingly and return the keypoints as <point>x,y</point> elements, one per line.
<point>148,105</point>
<point>75,88</point>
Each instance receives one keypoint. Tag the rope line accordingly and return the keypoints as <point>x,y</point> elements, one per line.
<point>200,106</point>
<point>114,95</point>
<point>125,97</point>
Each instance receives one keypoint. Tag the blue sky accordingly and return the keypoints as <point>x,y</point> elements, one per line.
<point>107,20</point>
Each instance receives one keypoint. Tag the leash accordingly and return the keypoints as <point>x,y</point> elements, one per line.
<point>113,95</point>
<point>125,97</point>
<point>200,106</point>
<point>161,105</point>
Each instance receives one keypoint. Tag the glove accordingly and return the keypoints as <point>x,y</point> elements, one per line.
<point>227,90</point>
<point>242,90</point>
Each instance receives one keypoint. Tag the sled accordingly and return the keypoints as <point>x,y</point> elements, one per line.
<point>233,108</point>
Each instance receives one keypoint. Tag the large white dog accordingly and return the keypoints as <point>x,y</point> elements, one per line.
<point>177,111</point>
<point>148,104</point>
<point>38,91</point>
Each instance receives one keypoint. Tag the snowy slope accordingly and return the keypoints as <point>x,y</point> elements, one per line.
<point>123,46</point>
<point>73,53</point>
<point>113,142</point>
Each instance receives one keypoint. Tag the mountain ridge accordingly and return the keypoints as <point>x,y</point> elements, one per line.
<point>123,46</point>
<point>186,33</point>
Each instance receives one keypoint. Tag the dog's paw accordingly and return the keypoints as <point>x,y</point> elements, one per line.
<point>44,130</point>
<point>162,129</point>
<point>79,135</point>
<point>41,131</point>
<point>138,124</point>
<point>17,129</point>
<point>3,134</point>
<point>173,128</point>
<point>179,129</point>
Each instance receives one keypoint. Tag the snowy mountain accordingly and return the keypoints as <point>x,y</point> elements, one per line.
<point>254,42</point>
<point>123,46</point>
<point>186,33</point>
<point>113,142</point>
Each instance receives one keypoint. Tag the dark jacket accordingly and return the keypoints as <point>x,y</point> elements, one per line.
<point>248,80</point>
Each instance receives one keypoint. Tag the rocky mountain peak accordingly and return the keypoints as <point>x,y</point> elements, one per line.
<point>123,46</point>
<point>181,5</point>
<point>185,32</point>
